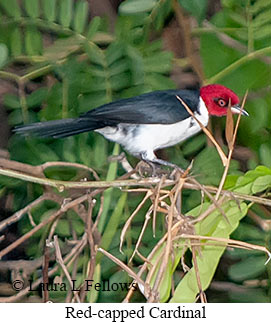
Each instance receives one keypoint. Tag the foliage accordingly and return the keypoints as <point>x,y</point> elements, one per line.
<point>69,65</point>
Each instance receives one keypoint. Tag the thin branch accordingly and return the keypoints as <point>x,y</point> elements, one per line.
<point>61,263</point>
<point>231,242</point>
<point>231,147</point>
<point>128,222</point>
<point>50,219</point>
<point>201,292</point>
<point>123,266</point>
<point>122,182</point>
<point>168,247</point>
<point>206,131</point>
<point>19,214</point>
<point>70,257</point>
<point>229,69</point>
<point>92,247</point>
<point>184,23</point>
<point>45,269</point>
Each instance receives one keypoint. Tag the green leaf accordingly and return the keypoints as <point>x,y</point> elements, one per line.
<point>94,53</point>
<point>33,41</point>
<point>120,81</point>
<point>158,81</point>
<point>162,13</point>
<point>248,268</point>
<point>259,5</point>
<point>262,19</point>
<point>16,42</point>
<point>262,32</point>
<point>118,67</point>
<point>69,154</point>
<point>230,182</point>
<point>62,47</point>
<point>113,53</point>
<point>11,101</point>
<point>15,117</point>
<point>46,153</point>
<point>194,145</point>
<point>6,181</point>
<point>3,55</point>
<point>165,285</point>
<point>187,289</point>
<point>208,175</point>
<point>129,7</point>
<point>253,181</point>
<point>265,154</point>
<point>93,27</point>
<point>80,17</point>
<point>261,184</point>
<point>249,295</point>
<point>49,9</point>
<point>136,65</point>
<point>98,71</point>
<point>66,12</point>
<point>263,169</point>
<point>93,293</point>
<point>100,157</point>
<point>196,7</point>
<point>112,224</point>
<point>11,7</point>
<point>32,8</point>
<point>111,175</point>
<point>37,97</point>
<point>238,18</point>
<point>246,232</point>
<point>159,62</point>
<point>63,228</point>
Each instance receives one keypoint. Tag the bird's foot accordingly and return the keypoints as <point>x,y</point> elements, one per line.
<point>148,169</point>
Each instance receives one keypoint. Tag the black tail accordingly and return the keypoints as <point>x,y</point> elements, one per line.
<point>58,128</point>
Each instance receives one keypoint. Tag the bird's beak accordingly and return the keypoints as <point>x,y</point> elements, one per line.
<point>237,109</point>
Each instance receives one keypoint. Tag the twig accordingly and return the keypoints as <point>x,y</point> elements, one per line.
<point>147,219</point>
<point>256,54</point>
<point>168,247</point>
<point>206,131</point>
<point>45,269</point>
<point>155,204</point>
<point>184,23</point>
<point>92,247</point>
<point>19,214</point>
<point>122,182</point>
<point>231,142</point>
<point>264,224</point>
<point>232,242</point>
<point>60,261</point>
<point>72,254</point>
<point>201,292</point>
<point>206,213</point>
<point>123,266</point>
<point>42,224</point>
<point>128,222</point>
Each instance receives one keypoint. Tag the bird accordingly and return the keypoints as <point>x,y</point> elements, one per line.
<point>148,122</point>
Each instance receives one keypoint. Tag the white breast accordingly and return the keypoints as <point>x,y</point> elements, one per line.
<point>150,137</point>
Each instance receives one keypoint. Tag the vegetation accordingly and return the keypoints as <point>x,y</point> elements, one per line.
<point>77,213</point>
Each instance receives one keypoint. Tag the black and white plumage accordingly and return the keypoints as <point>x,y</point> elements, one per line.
<point>145,123</point>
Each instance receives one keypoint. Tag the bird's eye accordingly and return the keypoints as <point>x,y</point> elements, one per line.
<point>221,102</point>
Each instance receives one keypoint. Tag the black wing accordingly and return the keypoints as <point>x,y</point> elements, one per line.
<point>151,108</point>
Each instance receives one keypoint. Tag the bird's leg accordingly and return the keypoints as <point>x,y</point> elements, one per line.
<point>166,163</point>
<point>144,156</point>
<point>151,165</point>
<point>156,161</point>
